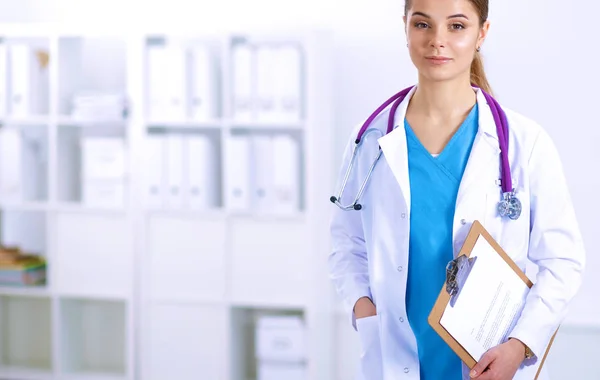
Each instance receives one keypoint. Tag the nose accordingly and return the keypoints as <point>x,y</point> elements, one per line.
<point>438,38</point>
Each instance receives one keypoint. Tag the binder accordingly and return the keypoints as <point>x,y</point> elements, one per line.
<point>28,81</point>
<point>239,173</point>
<point>286,174</point>
<point>266,83</point>
<point>167,79</point>
<point>244,66</point>
<point>457,277</point>
<point>11,164</point>
<point>263,162</point>
<point>155,187</point>
<point>3,80</point>
<point>204,84</point>
<point>174,171</point>
<point>201,169</point>
<point>288,83</point>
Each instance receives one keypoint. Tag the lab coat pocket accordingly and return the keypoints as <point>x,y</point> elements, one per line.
<point>370,354</point>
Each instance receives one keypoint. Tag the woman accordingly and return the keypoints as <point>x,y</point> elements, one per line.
<point>438,173</point>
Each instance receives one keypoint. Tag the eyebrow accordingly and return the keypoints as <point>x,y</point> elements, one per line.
<point>458,15</point>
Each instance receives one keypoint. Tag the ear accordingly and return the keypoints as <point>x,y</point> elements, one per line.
<point>483,33</point>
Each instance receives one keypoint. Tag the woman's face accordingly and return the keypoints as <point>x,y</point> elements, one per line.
<point>443,36</point>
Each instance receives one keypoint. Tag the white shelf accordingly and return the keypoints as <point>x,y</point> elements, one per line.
<point>25,291</point>
<point>94,337</point>
<point>26,337</point>
<point>68,121</point>
<point>24,373</point>
<point>137,292</point>
<point>36,120</point>
<point>92,376</point>
<point>185,124</point>
<point>25,206</point>
<point>270,126</point>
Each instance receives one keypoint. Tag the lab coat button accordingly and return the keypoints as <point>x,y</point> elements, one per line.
<point>403,215</point>
<point>463,222</point>
<point>406,370</point>
<point>401,320</point>
<point>400,269</point>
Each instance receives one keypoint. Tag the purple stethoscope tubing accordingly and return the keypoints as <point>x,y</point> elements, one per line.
<point>499,118</point>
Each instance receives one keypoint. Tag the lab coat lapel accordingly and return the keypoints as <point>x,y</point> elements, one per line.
<point>485,153</point>
<point>394,148</point>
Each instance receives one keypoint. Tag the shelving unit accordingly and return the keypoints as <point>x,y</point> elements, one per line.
<point>147,286</point>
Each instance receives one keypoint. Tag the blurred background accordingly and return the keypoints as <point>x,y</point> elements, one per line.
<point>165,170</point>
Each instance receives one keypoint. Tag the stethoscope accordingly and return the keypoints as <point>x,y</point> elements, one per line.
<point>509,206</point>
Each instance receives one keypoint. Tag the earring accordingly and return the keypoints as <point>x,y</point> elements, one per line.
<point>478,49</point>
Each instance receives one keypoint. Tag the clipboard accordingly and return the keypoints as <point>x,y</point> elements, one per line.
<point>457,273</point>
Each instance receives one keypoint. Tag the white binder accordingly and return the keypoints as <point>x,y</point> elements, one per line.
<point>243,66</point>
<point>204,84</point>
<point>28,82</point>
<point>289,83</point>
<point>266,82</point>
<point>174,171</point>
<point>3,80</point>
<point>286,174</point>
<point>166,83</point>
<point>11,184</point>
<point>155,161</point>
<point>202,172</point>
<point>263,163</point>
<point>238,173</point>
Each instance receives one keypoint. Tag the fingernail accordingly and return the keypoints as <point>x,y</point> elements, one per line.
<point>473,373</point>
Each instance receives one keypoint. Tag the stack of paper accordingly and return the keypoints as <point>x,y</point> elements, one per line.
<point>99,106</point>
<point>18,269</point>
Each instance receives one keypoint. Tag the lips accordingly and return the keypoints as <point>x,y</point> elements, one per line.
<point>438,60</point>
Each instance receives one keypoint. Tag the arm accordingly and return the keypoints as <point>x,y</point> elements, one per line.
<point>555,246</point>
<point>348,264</point>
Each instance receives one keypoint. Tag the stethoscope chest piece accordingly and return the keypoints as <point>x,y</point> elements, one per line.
<point>510,206</point>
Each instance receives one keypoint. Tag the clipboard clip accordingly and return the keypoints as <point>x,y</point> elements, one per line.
<point>457,272</point>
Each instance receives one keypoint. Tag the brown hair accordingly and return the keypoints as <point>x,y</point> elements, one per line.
<point>478,77</point>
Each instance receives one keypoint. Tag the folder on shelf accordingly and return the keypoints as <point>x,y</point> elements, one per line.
<point>244,68</point>
<point>174,171</point>
<point>11,179</point>
<point>202,172</point>
<point>3,79</point>
<point>481,284</point>
<point>166,83</point>
<point>28,80</point>
<point>266,82</point>
<point>286,174</point>
<point>288,66</point>
<point>239,173</point>
<point>263,161</point>
<point>155,188</point>
<point>204,84</point>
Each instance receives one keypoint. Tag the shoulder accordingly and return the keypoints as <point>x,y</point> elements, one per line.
<point>525,132</point>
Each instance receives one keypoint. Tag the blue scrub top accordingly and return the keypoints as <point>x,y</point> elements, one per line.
<point>434,183</point>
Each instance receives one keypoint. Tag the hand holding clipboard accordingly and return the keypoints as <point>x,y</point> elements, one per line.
<point>481,300</point>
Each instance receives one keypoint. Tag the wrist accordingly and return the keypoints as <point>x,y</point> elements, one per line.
<point>522,347</point>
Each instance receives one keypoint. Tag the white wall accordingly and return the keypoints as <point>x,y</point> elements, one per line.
<point>540,56</point>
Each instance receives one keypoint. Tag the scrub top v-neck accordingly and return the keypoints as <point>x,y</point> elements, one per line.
<point>434,183</point>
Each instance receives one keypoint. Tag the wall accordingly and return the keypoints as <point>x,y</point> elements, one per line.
<point>540,57</point>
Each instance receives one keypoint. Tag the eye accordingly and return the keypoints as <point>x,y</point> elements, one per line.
<point>457,26</point>
<point>421,25</point>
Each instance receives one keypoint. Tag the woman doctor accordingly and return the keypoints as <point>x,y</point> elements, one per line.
<point>439,171</point>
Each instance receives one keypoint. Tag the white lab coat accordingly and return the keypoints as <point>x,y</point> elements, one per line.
<point>370,247</point>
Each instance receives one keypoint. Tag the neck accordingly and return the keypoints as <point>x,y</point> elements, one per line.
<point>443,100</point>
